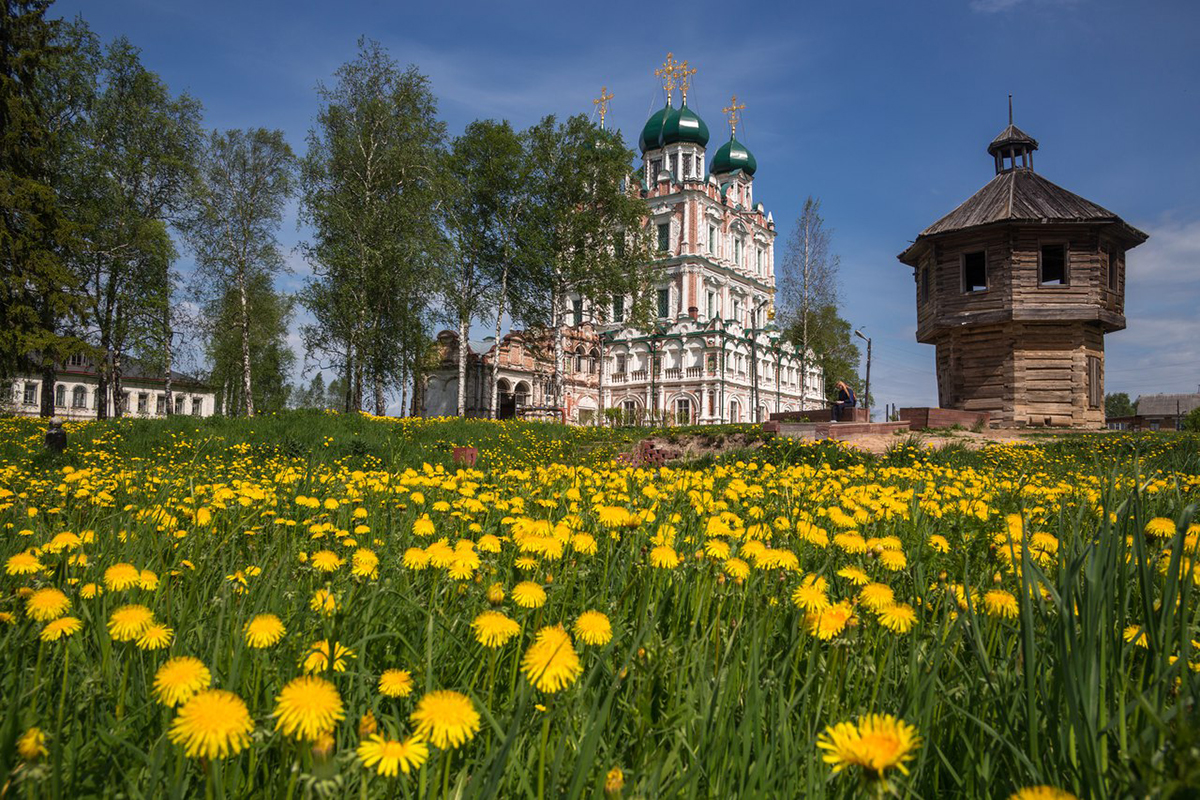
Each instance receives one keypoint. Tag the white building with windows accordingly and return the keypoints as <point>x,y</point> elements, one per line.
<point>715,354</point>
<point>143,393</point>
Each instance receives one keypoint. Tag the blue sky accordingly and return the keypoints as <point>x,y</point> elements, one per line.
<point>881,109</point>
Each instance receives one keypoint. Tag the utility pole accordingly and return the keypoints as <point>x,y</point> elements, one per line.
<point>867,389</point>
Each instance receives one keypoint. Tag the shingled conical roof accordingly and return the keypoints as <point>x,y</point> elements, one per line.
<point>1021,196</point>
<point>1010,136</point>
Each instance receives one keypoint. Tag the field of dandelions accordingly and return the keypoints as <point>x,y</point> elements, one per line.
<point>314,605</point>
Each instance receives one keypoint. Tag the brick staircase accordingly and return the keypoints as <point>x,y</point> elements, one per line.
<point>646,455</point>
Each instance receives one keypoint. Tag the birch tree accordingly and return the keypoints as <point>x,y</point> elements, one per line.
<point>245,179</point>
<point>808,280</point>
<point>485,165</point>
<point>371,186</point>
<point>583,232</point>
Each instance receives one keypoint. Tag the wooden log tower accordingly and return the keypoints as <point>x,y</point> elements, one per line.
<point>1016,288</point>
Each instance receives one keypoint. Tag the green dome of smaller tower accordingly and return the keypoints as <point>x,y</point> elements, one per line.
<point>684,125</point>
<point>652,131</point>
<point>733,156</point>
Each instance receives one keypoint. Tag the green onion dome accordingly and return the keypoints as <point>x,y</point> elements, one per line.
<point>731,157</point>
<point>652,132</point>
<point>684,126</point>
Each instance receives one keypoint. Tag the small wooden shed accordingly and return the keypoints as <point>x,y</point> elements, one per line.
<point>1016,288</point>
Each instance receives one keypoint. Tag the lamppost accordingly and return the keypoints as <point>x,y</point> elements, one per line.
<point>867,389</point>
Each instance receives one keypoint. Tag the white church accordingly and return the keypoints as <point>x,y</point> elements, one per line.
<point>716,355</point>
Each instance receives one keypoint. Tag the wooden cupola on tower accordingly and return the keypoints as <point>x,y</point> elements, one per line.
<point>1016,288</point>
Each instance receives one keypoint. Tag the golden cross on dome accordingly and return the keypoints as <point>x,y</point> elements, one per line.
<point>601,103</point>
<point>732,110</point>
<point>666,73</point>
<point>685,78</point>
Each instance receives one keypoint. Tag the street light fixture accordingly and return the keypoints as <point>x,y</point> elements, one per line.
<point>867,389</point>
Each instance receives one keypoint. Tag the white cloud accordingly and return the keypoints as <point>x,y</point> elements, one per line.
<point>998,6</point>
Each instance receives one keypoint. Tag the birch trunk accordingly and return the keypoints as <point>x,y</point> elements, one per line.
<point>380,399</point>
<point>169,403</point>
<point>463,355</point>
<point>118,406</point>
<point>494,407</point>
<point>247,394</point>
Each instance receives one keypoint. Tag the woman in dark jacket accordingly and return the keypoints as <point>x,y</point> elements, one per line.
<point>845,399</point>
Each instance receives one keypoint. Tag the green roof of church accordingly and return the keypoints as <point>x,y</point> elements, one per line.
<point>684,125</point>
<point>652,131</point>
<point>733,156</point>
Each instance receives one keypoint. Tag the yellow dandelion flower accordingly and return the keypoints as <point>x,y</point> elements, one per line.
<point>939,543</point>
<point>830,622</point>
<point>493,629</point>
<point>445,719</point>
<point>155,637</point>
<point>389,757</point>
<point>593,628</point>
<point>897,617</point>
<point>317,657</point>
<point>415,558</point>
<point>308,707</point>
<point>615,517</point>
<point>1161,528</point>
<point>855,575</point>
<point>1136,635</point>
<point>364,563</point>
<point>551,663</point>
<point>180,678</point>
<point>23,564</point>
<point>120,577</point>
<point>495,594</point>
<point>737,569</point>
<point>999,603</point>
<point>810,595</point>
<point>584,543</point>
<point>129,622</point>
<point>877,743</point>
<point>614,781</point>
<point>57,629</point>
<point>264,630</point>
<point>876,595</point>
<point>424,525</point>
<point>147,580</point>
<point>664,557</point>
<point>326,561</point>
<point>395,683</point>
<point>323,602</point>
<point>90,590</point>
<point>212,724</point>
<point>46,604</point>
<point>32,745</point>
<point>717,548</point>
<point>1041,793</point>
<point>893,560</point>
<point>528,594</point>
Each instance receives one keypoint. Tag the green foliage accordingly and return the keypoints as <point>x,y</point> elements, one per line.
<point>371,182</point>
<point>1191,421</point>
<point>246,178</point>
<point>268,316</point>
<point>39,291</point>
<point>1118,405</point>
<point>832,341</point>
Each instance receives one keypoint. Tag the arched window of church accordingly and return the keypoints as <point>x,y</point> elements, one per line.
<point>60,396</point>
<point>78,397</point>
